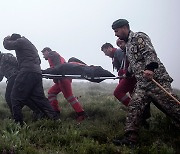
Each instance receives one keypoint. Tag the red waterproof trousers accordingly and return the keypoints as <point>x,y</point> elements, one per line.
<point>64,86</point>
<point>125,85</point>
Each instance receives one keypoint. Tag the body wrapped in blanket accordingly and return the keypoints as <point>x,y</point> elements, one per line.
<point>91,73</point>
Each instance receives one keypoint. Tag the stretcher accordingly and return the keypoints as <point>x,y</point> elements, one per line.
<point>82,77</point>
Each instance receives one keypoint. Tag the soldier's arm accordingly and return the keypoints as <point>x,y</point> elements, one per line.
<point>147,50</point>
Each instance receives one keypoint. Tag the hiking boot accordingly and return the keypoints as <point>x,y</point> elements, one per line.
<point>124,141</point>
<point>130,139</point>
<point>38,116</point>
<point>145,124</point>
<point>57,117</point>
<point>81,116</point>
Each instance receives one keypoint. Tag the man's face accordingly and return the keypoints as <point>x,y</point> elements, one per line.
<point>121,44</point>
<point>45,55</point>
<point>120,32</point>
<point>108,51</point>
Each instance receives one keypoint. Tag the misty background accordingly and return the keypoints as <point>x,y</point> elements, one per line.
<point>79,27</point>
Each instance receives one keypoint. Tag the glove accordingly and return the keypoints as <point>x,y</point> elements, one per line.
<point>128,74</point>
<point>46,71</point>
<point>55,80</point>
<point>43,71</point>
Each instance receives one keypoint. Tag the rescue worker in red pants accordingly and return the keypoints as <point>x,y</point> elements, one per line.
<point>120,63</point>
<point>126,84</point>
<point>61,85</point>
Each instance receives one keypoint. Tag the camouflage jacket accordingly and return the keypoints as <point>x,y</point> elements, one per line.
<point>8,65</point>
<point>142,55</point>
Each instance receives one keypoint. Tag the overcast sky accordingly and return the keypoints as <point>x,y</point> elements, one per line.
<point>79,27</point>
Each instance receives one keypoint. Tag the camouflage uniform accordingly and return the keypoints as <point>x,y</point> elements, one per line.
<point>142,56</point>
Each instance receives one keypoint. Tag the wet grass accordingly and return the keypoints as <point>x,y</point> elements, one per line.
<point>106,117</point>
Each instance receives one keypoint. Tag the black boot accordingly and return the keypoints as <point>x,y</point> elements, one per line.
<point>124,141</point>
<point>81,116</point>
<point>38,116</point>
<point>145,124</point>
<point>129,139</point>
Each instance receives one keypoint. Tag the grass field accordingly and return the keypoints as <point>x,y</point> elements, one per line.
<point>94,135</point>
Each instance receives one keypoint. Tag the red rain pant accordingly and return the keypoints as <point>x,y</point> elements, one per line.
<point>125,85</point>
<point>64,86</point>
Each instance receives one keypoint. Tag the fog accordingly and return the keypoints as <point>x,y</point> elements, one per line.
<point>79,28</point>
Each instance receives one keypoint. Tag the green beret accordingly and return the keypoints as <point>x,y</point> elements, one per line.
<point>119,23</point>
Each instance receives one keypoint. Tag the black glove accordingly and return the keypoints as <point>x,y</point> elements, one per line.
<point>43,71</point>
<point>55,80</point>
<point>128,74</point>
<point>46,71</point>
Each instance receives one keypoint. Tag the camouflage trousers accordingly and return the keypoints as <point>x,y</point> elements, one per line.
<point>145,95</point>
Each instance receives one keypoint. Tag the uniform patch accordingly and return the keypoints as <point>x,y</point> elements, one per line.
<point>133,41</point>
<point>140,40</point>
<point>132,49</point>
<point>141,43</point>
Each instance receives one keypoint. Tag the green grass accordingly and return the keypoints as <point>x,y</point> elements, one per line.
<point>93,136</point>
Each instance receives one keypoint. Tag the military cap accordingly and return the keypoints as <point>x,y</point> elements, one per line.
<point>119,23</point>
